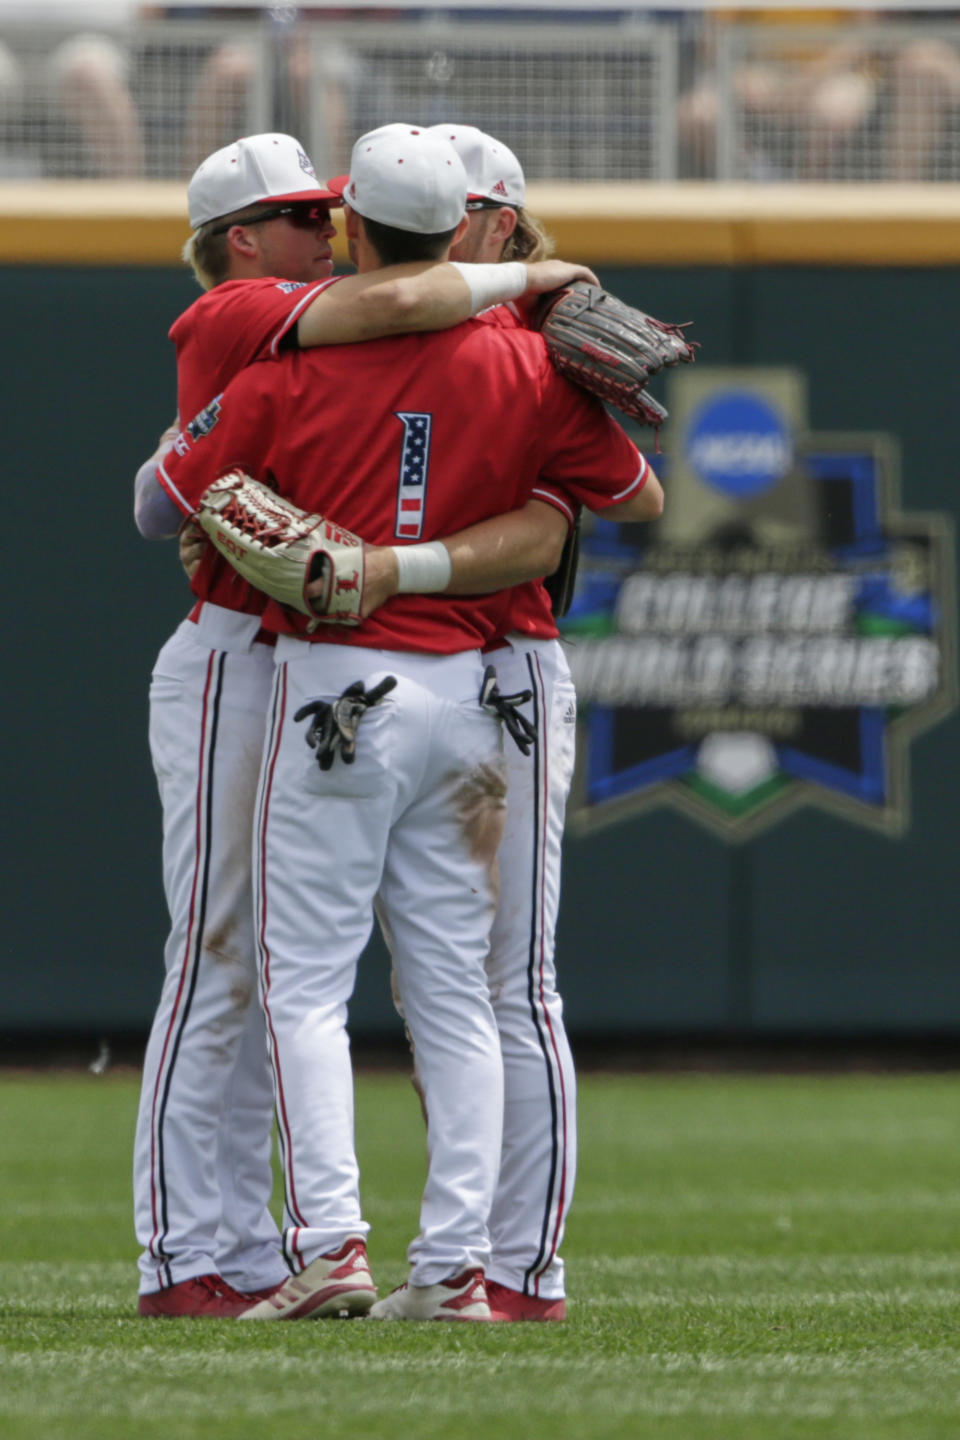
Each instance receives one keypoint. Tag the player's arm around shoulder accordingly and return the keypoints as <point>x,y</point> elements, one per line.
<point>397,300</point>
<point>425,295</point>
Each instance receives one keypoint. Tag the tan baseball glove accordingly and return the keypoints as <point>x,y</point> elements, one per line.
<point>280,549</point>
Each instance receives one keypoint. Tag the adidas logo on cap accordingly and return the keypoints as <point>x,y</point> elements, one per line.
<point>493,171</point>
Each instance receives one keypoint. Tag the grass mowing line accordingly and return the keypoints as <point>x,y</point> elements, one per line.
<point>50,1209</point>
<point>223,1360</point>
<point>185,1369</point>
<point>914,1118</point>
<point>761,1301</point>
<point>77,1272</point>
<point>722,1134</point>
<point>748,1201</point>
<point>798,1268</point>
<point>730,1392</point>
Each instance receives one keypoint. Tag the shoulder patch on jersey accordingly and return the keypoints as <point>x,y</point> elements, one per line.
<point>203,423</point>
<point>288,286</point>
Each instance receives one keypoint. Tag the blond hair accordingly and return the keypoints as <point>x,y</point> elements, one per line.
<point>208,257</point>
<point>207,252</point>
<point>529,240</point>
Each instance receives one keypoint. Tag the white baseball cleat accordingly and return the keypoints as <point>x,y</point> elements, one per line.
<point>463,1297</point>
<point>338,1284</point>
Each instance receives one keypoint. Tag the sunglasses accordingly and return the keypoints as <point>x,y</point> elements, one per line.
<point>304,216</point>
<point>489,205</point>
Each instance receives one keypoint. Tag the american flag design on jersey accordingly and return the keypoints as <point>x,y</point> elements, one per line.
<point>414,465</point>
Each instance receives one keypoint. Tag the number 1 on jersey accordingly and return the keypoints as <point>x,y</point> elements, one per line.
<point>414,464</point>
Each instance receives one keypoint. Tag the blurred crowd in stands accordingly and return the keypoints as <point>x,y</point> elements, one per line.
<point>96,88</point>
<point>809,109</point>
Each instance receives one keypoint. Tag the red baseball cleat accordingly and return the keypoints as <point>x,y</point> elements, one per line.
<point>204,1295</point>
<point>513,1305</point>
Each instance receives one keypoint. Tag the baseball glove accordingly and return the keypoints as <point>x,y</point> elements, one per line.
<point>562,583</point>
<point>280,549</point>
<point>334,728</point>
<point>609,348</point>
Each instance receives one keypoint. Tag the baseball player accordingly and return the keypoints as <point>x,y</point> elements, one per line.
<point>202,1175</point>
<point>416,817</point>
<point>525,1273</point>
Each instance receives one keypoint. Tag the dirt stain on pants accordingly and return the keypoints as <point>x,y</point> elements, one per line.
<point>481,801</point>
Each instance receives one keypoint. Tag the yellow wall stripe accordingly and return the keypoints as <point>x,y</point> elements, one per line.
<point>89,222</point>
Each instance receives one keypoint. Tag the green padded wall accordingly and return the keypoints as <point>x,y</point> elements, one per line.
<point>816,926</point>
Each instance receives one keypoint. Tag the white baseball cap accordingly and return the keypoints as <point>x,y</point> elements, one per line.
<point>401,175</point>
<point>252,170</point>
<point>493,171</point>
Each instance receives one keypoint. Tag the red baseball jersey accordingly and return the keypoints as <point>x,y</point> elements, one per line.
<point>221,333</point>
<point>408,439</point>
<point>528,609</point>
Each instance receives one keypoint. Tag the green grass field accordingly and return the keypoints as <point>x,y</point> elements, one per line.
<point>748,1259</point>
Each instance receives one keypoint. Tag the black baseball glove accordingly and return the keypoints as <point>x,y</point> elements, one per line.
<point>610,348</point>
<point>562,583</point>
<point>505,707</point>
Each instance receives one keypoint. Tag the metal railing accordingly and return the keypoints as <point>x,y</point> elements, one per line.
<point>627,100</point>
<point>574,101</point>
<point>867,103</point>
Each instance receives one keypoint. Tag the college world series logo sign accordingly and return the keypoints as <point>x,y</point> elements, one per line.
<point>777,638</point>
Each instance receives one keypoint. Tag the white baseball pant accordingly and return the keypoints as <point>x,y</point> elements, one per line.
<point>416,818</point>
<point>202,1174</point>
<point>539,1158</point>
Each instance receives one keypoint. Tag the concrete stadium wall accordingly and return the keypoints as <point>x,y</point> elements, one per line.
<point>815,926</point>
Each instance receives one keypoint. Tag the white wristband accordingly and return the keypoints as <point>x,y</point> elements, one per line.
<point>492,284</point>
<point>422,568</point>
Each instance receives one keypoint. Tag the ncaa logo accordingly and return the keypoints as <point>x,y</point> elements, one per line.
<point>776,645</point>
<point>740,444</point>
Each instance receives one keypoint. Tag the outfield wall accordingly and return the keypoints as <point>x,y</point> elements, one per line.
<point>816,925</point>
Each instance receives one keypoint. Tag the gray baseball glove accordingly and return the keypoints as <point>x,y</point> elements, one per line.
<point>610,348</point>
